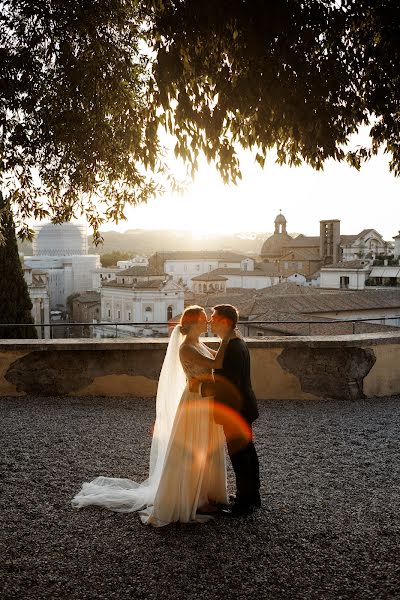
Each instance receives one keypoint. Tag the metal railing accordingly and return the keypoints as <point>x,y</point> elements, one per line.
<point>125,329</point>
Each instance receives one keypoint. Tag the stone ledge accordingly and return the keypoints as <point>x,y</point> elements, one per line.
<point>328,341</point>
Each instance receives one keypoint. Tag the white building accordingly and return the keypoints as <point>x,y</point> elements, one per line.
<point>155,300</point>
<point>136,261</point>
<point>101,274</point>
<point>61,251</point>
<point>66,239</point>
<point>350,275</point>
<point>254,276</point>
<point>37,283</point>
<point>298,279</point>
<point>182,266</point>
<point>396,246</point>
<point>360,274</point>
<point>367,244</point>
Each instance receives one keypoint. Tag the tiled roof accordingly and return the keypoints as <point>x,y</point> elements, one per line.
<point>348,240</point>
<point>302,254</point>
<point>323,326</point>
<point>231,271</point>
<point>212,276</point>
<point>329,301</point>
<point>303,241</point>
<point>88,297</point>
<point>140,272</point>
<point>223,255</point>
<point>140,285</point>
<point>349,264</point>
<point>152,284</point>
<point>307,241</point>
<point>243,301</point>
<point>287,288</point>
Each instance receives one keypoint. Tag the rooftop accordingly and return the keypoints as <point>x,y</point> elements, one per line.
<point>319,300</point>
<point>256,272</point>
<point>211,276</point>
<point>328,527</point>
<point>223,255</point>
<point>357,264</point>
<point>140,272</point>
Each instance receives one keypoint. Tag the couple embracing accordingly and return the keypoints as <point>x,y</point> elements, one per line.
<point>204,398</point>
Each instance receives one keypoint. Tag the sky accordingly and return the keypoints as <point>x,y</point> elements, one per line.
<point>369,198</point>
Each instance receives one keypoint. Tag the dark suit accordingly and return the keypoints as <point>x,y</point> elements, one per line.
<point>233,390</point>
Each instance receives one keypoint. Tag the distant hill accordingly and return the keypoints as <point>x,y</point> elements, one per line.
<point>140,241</point>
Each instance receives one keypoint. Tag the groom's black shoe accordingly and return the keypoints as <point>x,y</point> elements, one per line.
<point>237,510</point>
<point>254,501</point>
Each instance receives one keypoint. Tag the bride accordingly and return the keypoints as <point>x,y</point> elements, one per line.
<point>187,471</point>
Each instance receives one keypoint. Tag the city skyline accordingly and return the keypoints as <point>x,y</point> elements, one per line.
<point>363,199</point>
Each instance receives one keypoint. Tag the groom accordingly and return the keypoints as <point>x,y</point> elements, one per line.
<point>235,404</point>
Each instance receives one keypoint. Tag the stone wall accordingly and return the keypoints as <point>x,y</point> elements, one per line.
<point>341,367</point>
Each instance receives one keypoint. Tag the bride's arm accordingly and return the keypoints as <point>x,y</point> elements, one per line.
<point>192,355</point>
<point>213,352</point>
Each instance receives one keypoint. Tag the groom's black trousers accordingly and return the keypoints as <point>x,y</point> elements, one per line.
<point>245,464</point>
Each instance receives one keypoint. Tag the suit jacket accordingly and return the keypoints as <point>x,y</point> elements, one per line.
<point>232,382</point>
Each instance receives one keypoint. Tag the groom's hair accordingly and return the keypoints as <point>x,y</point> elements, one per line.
<point>228,311</point>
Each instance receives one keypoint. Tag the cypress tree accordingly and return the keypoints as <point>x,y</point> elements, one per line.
<point>15,303</point>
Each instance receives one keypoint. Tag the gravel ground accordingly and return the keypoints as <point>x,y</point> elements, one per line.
<point>328,528</point>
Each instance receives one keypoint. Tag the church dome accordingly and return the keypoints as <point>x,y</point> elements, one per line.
<point>272,247</point>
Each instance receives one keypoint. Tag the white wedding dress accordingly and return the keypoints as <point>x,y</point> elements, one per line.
<point>187,458</point>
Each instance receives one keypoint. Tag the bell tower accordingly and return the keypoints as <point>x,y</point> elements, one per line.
<point>329,241</point>
<point>280,223</point>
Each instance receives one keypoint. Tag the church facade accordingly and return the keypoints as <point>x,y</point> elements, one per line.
<point>305,255</point>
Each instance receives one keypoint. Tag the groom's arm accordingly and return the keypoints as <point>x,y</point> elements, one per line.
<point>204,385</point>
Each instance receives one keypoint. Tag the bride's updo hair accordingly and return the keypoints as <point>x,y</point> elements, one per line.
<point>189,317</point>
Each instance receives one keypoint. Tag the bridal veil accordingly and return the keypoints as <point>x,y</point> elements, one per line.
<point>125,495</point>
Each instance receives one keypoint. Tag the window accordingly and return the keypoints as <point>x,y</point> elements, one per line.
<point>109,312</point>
<point>344,282</point>
<point>129,316</point>
<point>119,314</point>
<point>169,313</point>
<point>123,280</point>
<point>209,267</point>
<point>245,265</point>
<point>109,276</point>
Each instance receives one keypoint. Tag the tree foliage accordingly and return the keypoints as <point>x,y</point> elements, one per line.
<point>73,127</point>
<point>15,303</point>
<point>82,96</point>
<point>300,76</point>
<point>110,259</point>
